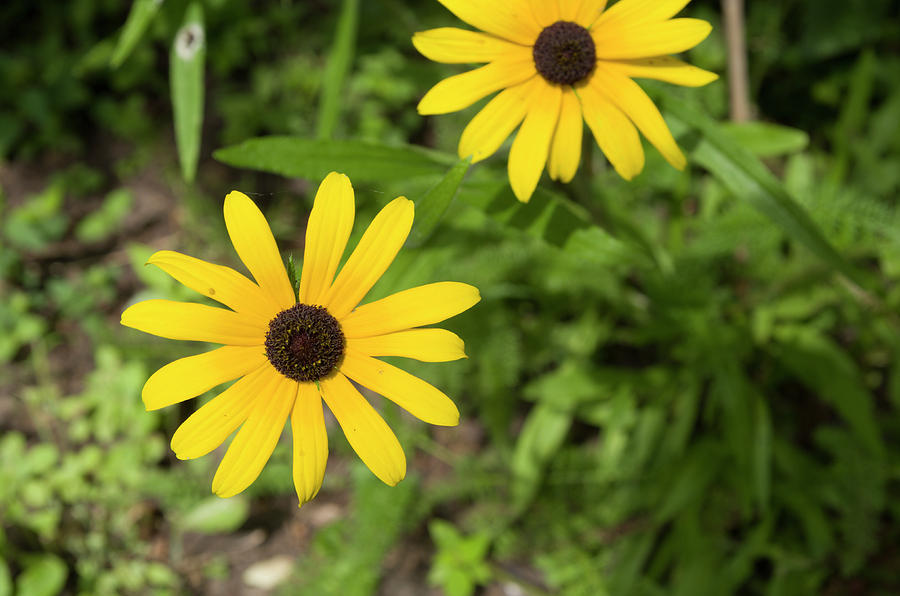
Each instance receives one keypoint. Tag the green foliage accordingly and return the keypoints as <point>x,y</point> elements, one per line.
<point>459,564</point>
<point>686,384</point>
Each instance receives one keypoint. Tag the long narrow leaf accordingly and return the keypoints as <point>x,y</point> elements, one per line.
<point>749,180</point>
<point>339,61</point>
<point>139,19</point>
<point>186,64</point>
<point>431,207</point>
<point>299,157</point>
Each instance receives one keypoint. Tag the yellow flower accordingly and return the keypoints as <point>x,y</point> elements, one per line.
<point>290,354</point>
<point>558,62</point>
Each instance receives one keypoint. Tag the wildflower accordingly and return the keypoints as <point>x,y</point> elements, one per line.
<point>289,352</point>
<point>556,63</point>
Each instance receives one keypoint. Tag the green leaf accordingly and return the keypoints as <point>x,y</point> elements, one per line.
<point>765,139</point>
<point>339,61</point>
<point>548,215</point>
<point>215,515</point>
<point>762,453</point>
<point>6,585</point>
<point>459,564</point>
<point>43,575</point>
<point>139,18</point>
<point>749,180</point>
<point>186,62</point>
<point>104,221</point>
<point>541,436</point>
<point>827,370</point>
<point>431,207</point>
<point>299,157</point>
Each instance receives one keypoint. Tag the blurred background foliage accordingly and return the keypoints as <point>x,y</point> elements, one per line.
<point>687,385</point>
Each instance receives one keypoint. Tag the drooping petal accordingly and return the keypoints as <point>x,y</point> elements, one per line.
<point>422,305</point>
<point>645,40</point>
<point>531,146</point>
<point>327,231</point>
<point>583,12</point>
<point>613,131</point>
<point>189,377</point>
<point>419,398</point>
<point>546,12</point>
<point>376,250</point>
<point>194,322</point>
<point>209,426</point>
<point>663,68</point>
<point>427,345</point>
<point>253,444</point>
<point>565,150</point>
<point>495,122</point>
<point>252,239</point>
<point>631,99</point>
<point>509,20</point>
<point>366,431</point>
<point>460,91</point>
<point>222,284</point>
<point>626,13</point>
<point>310,442</point>
<point>460,46</point>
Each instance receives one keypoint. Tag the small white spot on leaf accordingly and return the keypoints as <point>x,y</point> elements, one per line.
<point>189,41</point>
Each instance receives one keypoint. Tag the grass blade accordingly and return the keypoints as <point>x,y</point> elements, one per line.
<point>339,61</point>
<point>139,19</point>
<point>749,180</point>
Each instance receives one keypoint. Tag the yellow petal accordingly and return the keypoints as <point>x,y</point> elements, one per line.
<point>613,131</point>
<point>546,12</point>
<point>427,345</point>
<point>422,305</point>
<point>209,426</point>
<point>194,322</point>
<point>645,40</point>
<point>222,284</point>
<point>460,91</point>
<point>421,399</point>
<point>532,143</point>
<point>376,250</point>
<point>496,121</point>
<point>253,444</point>
<point>565,151</point>
<point>191,376</point>
<point>327,231</point>
<point>366,431</point>
<point>509,20</point>
<point>310,442</point>
<point>663,68</point>
<point>631,12</point>
<point>632,100</point>
<point>583,12</point>
<point>460,46</point>
<point>255,245</point>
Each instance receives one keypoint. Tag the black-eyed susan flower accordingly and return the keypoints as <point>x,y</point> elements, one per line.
<point>556,63</point>
<point>291,351</point>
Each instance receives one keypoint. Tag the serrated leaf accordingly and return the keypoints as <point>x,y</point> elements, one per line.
<point>339,60</point>
<point>431,207</point>
<point>186,63</point>
<point>749,180</point>
<point>299,157</point>
<point>139,19</point>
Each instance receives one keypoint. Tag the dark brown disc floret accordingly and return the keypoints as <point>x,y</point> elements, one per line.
<point>305,343</point>
<point>564,53</point>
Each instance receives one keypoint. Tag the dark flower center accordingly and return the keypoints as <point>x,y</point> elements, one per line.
<point>305,343</point>
<point>564,53</point>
